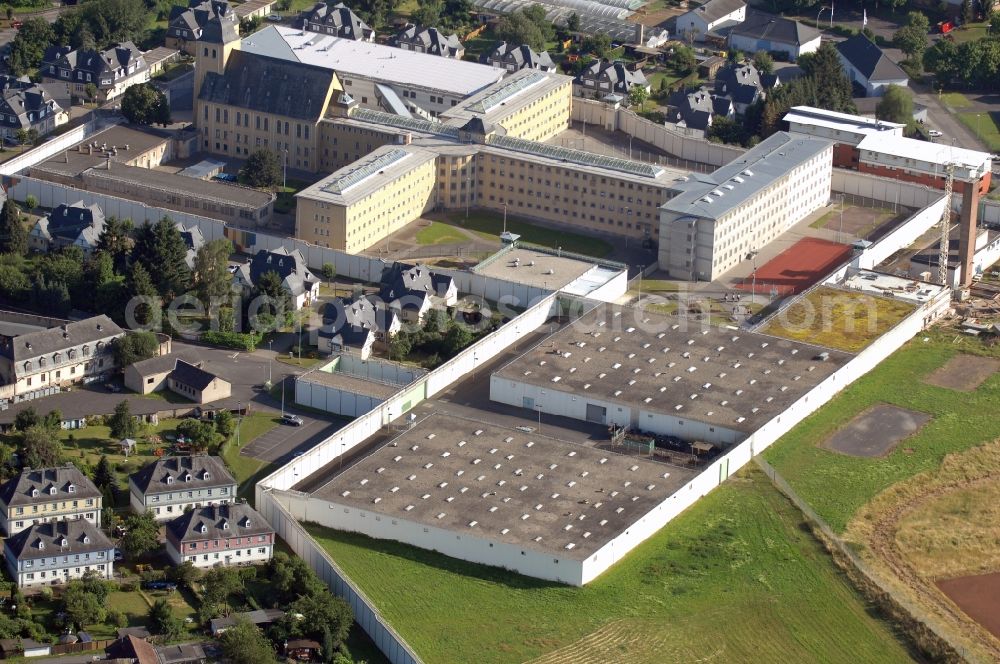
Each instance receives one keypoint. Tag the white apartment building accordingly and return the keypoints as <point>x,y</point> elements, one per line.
<point>42,495</point>
<point>56,552</point>
<point>173,485</point>
<point>717,220</point>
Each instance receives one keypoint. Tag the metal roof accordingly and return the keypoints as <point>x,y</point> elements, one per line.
<point>576,156</point>
<point>358,175</point>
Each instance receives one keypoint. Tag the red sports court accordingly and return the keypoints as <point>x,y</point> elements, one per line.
<point>798,267</point>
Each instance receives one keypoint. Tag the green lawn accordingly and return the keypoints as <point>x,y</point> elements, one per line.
<point>955,100</point>
<point>986,126</point>
<point>440,233</point>
<point>490,224</point>
<point>960,420</point>
<point>248,470</point>
<point>969,32</point>
<point>736,578</point>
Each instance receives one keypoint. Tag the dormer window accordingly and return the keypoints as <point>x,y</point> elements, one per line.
<point>246,522</point>
<point>41,545</point>
<point>57,357</point>
<point>86,539</point>
<point>187,477</point>
<point>86,351</point>
<point>207,475</point>
<point>27,366</point>
<point>34,493</point>
<point>170,479</point>
<point>72,488</point>
<point>52,491</point>
<point>62,541</point>
<point>202,528</point>
<point>225,525</point>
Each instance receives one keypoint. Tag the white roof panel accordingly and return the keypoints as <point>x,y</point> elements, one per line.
<point>934,153</point>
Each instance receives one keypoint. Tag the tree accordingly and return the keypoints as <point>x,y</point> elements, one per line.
<point>201,433</point>
<point>323,610</point>
<point>143,104</point>
<point>968,12</point>
<point>122,424</point>
<point>896,105</point>
<point>763,61</point>
<point>162,620</point>
<point>995,23</point>
<point>82,606</point>
<point>185,574</point>
<point>637,96</point>
<point>28,47</point>
<point>911,40</point>
<point>244,643</point>
<point>250,25</point>
<point>9,11</point>
<point>104,477</point>
<point>683,60</point>
<point>140,285</point>
<point>270,284</point>
<point>225,423</point>
<point>262,169</point>
<point>14,283</point>
<point>23,137</point>
<point>573,22</point>
<point>40,448</point>
<point>30,202</point>
<point>329,271</point>
<point>220,583</point>
<point>212,278</point>
<point>428,13</point>
<point>832,89</point>
<point>597,45</point>
<point>142,534</point>
<point>942,59</point>
<point>90,90</point>
<point>27,418</point>
<point>135,347</point>
<point>116,241</point>
<point>162,246</point>
<point>13,234</point>
<point>517,28</point>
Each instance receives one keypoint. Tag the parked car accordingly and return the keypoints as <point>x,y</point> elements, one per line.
<point>226,177</point>
<point>111,387</point>
<point>275,18</point>
<point>119,556</point>
<point>291,420</point>
<point>934,133</point>
<point>159,585</point>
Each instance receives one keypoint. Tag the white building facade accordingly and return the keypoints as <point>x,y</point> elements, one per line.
<point>173,485</point>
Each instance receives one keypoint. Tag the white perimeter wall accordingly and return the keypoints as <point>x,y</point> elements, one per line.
<point>387,372</point>
<point>333,399</point>
<point>47,149</point>
<point>887,190</point>
<point>468,545</point>
<point>672,142</point>
<point>903,236</point>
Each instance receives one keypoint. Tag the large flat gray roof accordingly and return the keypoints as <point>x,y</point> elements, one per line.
<point>663,364</point>
<point>506,485</point>
<point>714,195</point>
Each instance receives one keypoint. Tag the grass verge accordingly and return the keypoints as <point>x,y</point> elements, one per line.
<point>735,578</point>
<point>840,319</point>
<point>986,127</point>
<point>961,420</point>
<point>440,233</point>
<point>490,224</point>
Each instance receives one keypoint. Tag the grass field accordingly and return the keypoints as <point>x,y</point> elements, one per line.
<point>490,224</point>
<point>440,233</point>
<point>248,470</point>
<point>838,319</point>
<point>955,100</point>
<point>736,578</point>
<point>984,126</point>
<point>961,420</point>
<point>832,218</point>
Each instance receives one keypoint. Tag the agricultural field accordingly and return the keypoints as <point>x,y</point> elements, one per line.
<point>735,578</point>
<point>839,319</point>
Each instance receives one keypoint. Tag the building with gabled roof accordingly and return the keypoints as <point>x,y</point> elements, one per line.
<point>302,285</point>
<point>744,84</point>
<point>186,24</point>
<point>774,34</point>
<point>430,41</point>
<point>61,493</point>
<point>354,326</point>
<point>412,291</point>
<point>704,22</point>
<point>194,383</point>
<point>110,71</point>
<point>603,78</point>
<point>336,19</point>
<point>77,225</point>
<point>696,110</point>
<point>868,68</point>
<point>56,552</point>
<point>63,355</point>
<point>171,485</point>
<point>513,57</point>
<point>220,535</point>
<point>27,105</point>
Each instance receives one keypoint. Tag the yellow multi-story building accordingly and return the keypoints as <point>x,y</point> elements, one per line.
<point>357,206</point>
<point>41,495</point>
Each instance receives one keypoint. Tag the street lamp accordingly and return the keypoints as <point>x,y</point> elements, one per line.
<point>504,218</point>
<point>284,171</point>
<point>538,407</point>
<point>270,357</point>
<point>840,233</point>
<point>821,10</point>
<point>753,285</point>
<point>239,419</point>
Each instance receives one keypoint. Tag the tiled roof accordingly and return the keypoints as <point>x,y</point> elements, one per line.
<point>218,522</point>
<point>19,490</point>
<point>58,538</point>
<point>182,472</point>
<point>869,59</point>
<point>43,342</point>
<point>191,375</point>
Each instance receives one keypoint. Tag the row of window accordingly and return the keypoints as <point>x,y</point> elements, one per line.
<point>239,554</point>
<point>30,576</point>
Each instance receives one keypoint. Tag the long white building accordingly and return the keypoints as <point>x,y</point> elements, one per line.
<point>716,220</point>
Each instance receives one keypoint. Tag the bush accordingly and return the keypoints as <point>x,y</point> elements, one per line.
<point>116,619</point>
<point>128,586</point>
<point>45,593</point>
<point>245,341</point>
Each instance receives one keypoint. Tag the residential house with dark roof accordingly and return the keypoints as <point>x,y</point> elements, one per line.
<point>26,105</point>
<point>110,71</point>
<point>514,58</point>
<point>774,34</point>
<point>705,21</point>
<point>194,383</point>
<point>259,617</point>
<point>412,291</point>
<point>61,493</point>
<point>301,284</point>
<point>185,24</point>
<point>698,109</point>
<point>868,68</point>
<point>193,240</point>
<point>56,552</point>
<point>72,353</point>
<point>602,78</point>
<point>214,535</point>
<point>429,40</point>
<point>744,84</point>
<point>336,19</point>
<point>78,225</point>
<point>133,649</point>
<point>171,485</point>
<point>355,326</point>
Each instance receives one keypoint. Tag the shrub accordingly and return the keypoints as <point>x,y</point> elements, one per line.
<point>245,341</point>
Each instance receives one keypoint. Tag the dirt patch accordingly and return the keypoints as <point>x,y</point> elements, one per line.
<point>978,596</point>
<point>963,373</point>
<point>876,432</point>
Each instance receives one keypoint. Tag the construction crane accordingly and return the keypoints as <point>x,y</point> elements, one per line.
<point>943,249</point>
